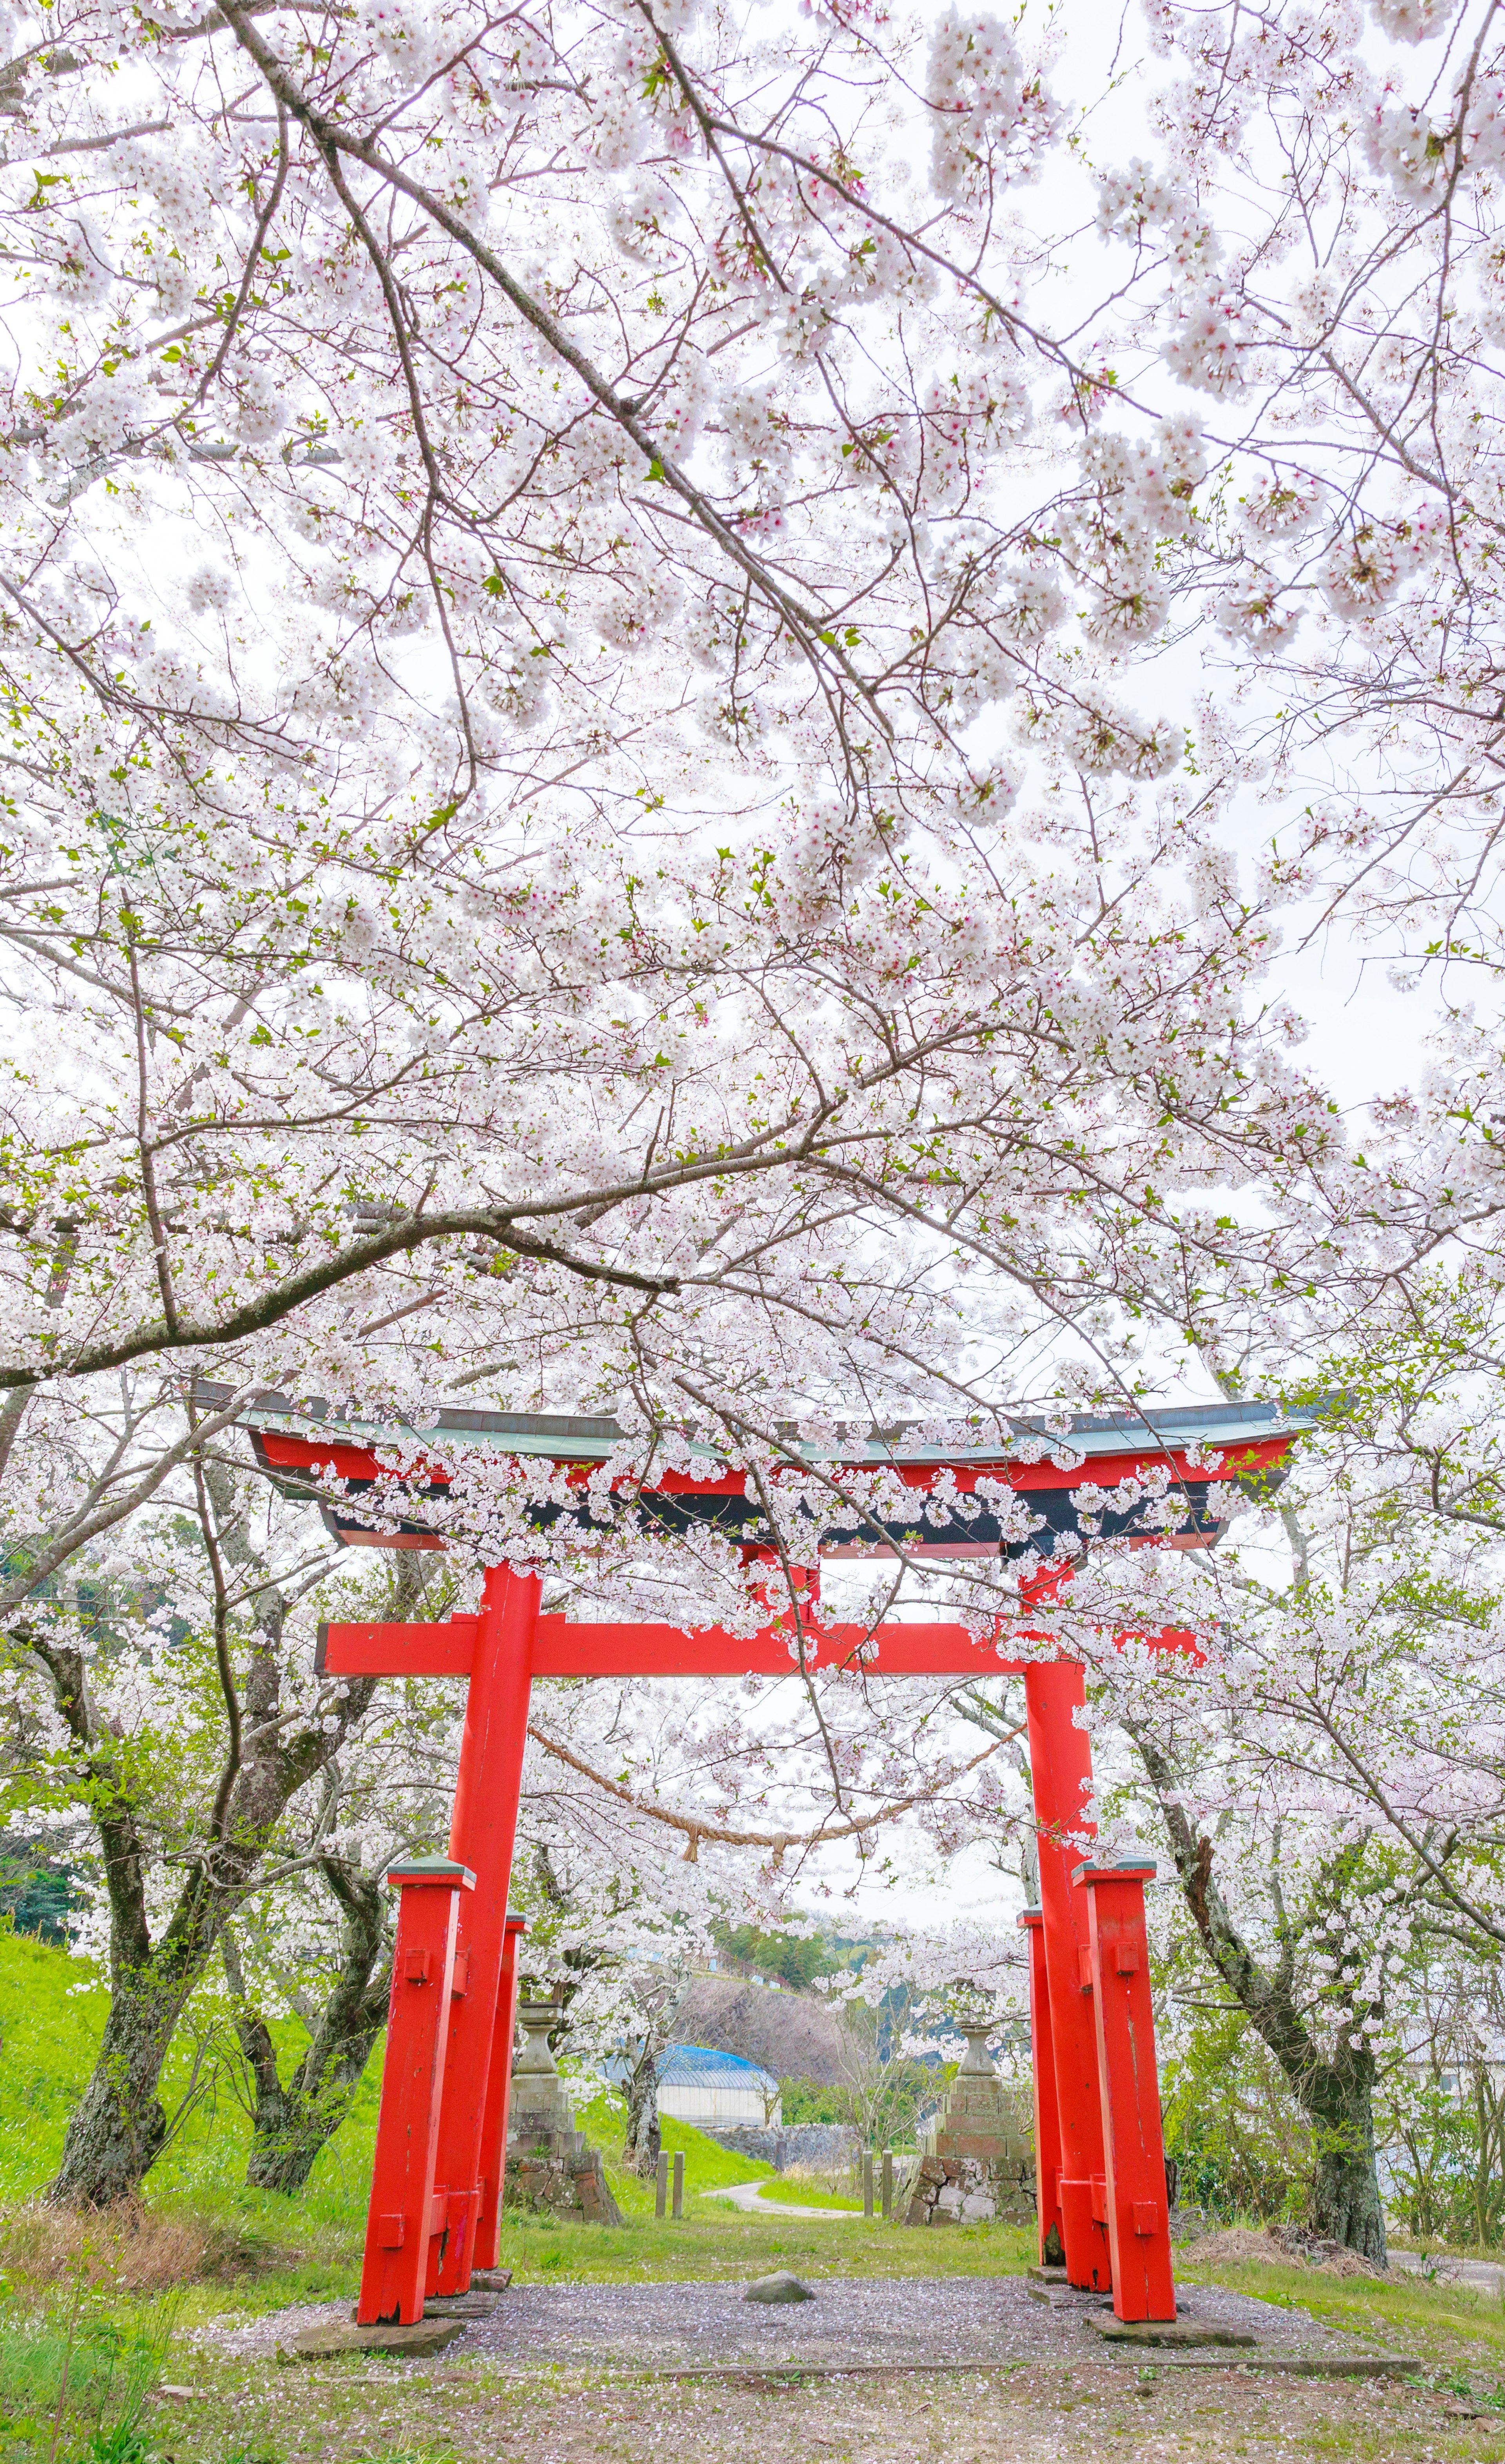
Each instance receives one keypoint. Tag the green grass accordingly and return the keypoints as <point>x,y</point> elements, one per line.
<point>268,2251</point>
<point>707,2165</point>
<point>1405,2315</point>
<point>721,2245</point>
<point>51,2013</point>
<point>77,2366</point>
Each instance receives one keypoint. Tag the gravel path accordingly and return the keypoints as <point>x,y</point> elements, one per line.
<point>859,2323</point>
<point>907,2321</point>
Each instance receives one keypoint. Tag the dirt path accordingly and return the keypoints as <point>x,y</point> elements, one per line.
<point>1032,2416</point>
<point>748,2198</point>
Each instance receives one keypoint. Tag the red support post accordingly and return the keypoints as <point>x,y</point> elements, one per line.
<point>494,2121</point>
<point>774,1593</point>
<point>1139,2223</point>
<point>1046,2113</point>
<point>1060,1763</point>
<point>402,2213</point>
<point>482,1835</point>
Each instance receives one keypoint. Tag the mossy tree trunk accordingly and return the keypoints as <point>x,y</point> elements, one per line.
<point>292,2122</point>
<point>120,2125</point>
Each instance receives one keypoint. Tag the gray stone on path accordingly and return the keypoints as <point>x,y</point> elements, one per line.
<point>321,2344</point>
<point>781,2286</point>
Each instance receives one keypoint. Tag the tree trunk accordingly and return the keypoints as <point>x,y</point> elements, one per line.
<point>1339,2102</point>
<point>291,2124</point>
<point>644,2138</point>
<point>119,2127</point>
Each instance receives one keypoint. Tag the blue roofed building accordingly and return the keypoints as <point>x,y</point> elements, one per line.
<point>696,2084</point>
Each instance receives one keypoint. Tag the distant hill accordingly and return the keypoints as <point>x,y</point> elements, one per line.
<point>795,2035</point>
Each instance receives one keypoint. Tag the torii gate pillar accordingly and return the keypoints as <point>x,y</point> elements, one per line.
<point>1060,1766</point>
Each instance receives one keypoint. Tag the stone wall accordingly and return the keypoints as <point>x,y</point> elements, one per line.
<point>781,2145</point>
<point>963,2190</point>
<point>569,2184</point>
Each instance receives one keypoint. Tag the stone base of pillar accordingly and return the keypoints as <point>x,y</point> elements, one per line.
<point>560,2175</point>
<point>963,2190</point>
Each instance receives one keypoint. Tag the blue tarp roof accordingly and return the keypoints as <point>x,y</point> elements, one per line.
<point>705,2062</point>
<point>700,2063</point>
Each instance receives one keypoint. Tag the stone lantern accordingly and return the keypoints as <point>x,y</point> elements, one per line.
<point>550,2163</point>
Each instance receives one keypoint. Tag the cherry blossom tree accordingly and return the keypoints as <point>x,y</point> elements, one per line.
<point>1327,1773</point>
<point>605,812</point>
<point>393,932</point>
<point>1311,245</point>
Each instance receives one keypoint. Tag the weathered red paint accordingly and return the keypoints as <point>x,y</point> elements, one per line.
<point>1090,2047</point>
<point>481,1832</point>
<point>562,1648</point>
<point>1138,2235</point>
<point>1060,1764</point>
<point>1047,2112</point>
<point>403,2217</point>
<point>494,2122</point>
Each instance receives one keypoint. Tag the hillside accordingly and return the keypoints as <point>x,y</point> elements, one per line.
<point>52,2011</point>
<point>794,2035</point>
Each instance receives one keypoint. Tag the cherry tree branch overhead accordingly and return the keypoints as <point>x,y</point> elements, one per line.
<point>615,784</point>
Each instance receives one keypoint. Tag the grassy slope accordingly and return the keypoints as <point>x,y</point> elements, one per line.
<point>308,2247</point>
<point>1435,2322</point>
<point>272,2251</point>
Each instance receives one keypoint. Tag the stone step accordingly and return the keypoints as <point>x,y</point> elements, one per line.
<point>321,2344</point>
<point>473,2304</point>
<point>1169,2331</point>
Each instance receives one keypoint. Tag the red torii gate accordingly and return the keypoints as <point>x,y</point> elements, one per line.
<point>441,2136</point>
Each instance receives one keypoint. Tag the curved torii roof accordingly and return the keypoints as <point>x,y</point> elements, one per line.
<point>302,1444</point>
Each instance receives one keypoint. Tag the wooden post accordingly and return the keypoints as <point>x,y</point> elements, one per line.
<point>1060,1763</point>
<point>1138,2226</point>
<point>481,1834</point>
<point>867,2184</point>
<point>678,2202</point>
<point>888,2182</point>
<point>494,2121</point>
<point>405,2212</point>
<point>1047,2119</point>
<point>661,2182</point>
